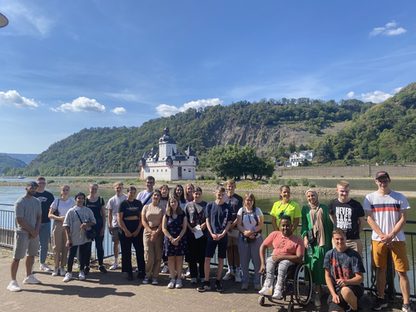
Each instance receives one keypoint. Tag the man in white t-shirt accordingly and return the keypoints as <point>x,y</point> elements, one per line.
<point>113,206</point>
<point>146,196</point>
<point>386,210</point>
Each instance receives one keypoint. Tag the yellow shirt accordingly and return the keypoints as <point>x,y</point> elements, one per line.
<point>291,209</point>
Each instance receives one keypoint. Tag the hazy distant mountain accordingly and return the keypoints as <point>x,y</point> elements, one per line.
<point>26,158</point>
<point>9,162</point>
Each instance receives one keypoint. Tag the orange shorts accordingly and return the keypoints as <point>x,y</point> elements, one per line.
<point>398,252</point>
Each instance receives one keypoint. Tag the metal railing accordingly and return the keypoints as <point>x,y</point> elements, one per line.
<point>7,225</point>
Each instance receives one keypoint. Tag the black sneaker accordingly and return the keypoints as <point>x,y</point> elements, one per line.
<point>218,286</point>
<point>406,308</point>
<point>204,286</point>
<point>102,269</point>
<point>379,304</point>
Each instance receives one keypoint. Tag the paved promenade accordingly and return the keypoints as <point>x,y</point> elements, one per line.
<point>112,292</point>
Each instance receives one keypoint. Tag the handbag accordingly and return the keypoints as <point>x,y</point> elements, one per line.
<point>90,233</point>
<point>311,237</point>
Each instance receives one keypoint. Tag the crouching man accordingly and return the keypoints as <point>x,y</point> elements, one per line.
<point>343,275</point>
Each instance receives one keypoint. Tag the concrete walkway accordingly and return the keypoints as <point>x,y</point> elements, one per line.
<point>112,292</point>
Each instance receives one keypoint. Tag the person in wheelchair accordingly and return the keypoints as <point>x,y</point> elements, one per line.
<point>343,275</point>
<point>288,249</point>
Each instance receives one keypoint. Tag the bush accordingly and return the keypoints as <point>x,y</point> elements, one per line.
<point>304,182</point>
<point>291,182</point>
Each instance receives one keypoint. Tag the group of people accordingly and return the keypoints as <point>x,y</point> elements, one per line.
<point>170,228</point>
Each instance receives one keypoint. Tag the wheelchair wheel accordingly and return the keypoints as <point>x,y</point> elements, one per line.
<point>261,300</point>
<point>303,284</point>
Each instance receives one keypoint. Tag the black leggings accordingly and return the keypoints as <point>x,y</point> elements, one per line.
<point>83,256</point>
<point>100,250</point>
<point>126,244</point>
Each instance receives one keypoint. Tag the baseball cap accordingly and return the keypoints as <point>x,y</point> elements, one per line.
<point>32,184</point>
<point>382,174</point>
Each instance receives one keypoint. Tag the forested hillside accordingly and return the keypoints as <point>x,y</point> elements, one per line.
<point>266,125</point>
<point>386,133</point>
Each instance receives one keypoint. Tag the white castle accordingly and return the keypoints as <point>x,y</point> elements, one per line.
<point>168,164</point>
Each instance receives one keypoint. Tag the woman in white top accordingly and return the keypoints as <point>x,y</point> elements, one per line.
<point>57,212</point>
<point>250,222</point>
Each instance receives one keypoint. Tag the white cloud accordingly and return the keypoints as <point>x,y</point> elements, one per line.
<point>27,20</point>
<point>390,29</point>
<point>166,110</point>
<point>350,94</point>
<point>12,97</point>
<point>81,104</point>
<point>119,110</point>
<point>374,96</point>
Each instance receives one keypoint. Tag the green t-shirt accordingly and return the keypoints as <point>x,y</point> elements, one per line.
<point>291,209</point>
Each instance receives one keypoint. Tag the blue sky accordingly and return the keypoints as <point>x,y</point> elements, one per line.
<point>69,65</point>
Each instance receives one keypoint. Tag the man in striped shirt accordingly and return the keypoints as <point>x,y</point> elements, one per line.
<point>386,211</point>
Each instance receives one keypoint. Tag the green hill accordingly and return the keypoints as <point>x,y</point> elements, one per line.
<point>268,125</point>
<point>386,133</point>
<point>7,162</point>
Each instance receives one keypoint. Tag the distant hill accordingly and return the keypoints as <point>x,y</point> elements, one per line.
<point>9,162</point>
<point>386,133</point>
<point>268,125</point>
<point>26,158</point>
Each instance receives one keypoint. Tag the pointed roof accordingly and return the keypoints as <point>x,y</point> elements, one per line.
<point>166,138</point>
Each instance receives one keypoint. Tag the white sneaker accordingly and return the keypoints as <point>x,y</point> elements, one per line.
<point>44,267</point>
<point>81,276</point>
<point>277,295</point>
<point>155,282</point>
<point>55,272</point>
<point>266,291</point>
<point>165,269</point>
<point>62,271</point>
<point>145,281</point>
<point>237,276</point>
<point>171,284</point>
<point>114,266</point>
<point>228,275</point>
<point>178,283</point>
<point>188,272</point>
<point>13,286</point>
<point>31,279</point>
<point>68,277</point>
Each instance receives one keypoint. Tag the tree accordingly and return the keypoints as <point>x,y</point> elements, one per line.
<point>232,161</point>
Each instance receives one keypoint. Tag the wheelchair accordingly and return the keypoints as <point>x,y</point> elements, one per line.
<point>298,287</point>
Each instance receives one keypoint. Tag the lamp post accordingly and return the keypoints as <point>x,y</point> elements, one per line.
<point>3,20</point>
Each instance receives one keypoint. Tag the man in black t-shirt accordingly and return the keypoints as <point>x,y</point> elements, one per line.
<point>347,214</point>
<point>46,199</point>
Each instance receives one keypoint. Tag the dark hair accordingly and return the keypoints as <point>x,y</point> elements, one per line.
<point>286,217</point>
<point>131,188</point>
<point>150,178</point>
<point>180,199</point>
<point>197,189</point>
<point>79,194</point>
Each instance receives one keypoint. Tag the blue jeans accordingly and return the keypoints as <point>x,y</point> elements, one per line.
<point>44,238</point>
